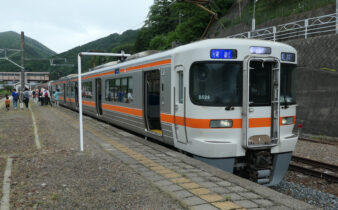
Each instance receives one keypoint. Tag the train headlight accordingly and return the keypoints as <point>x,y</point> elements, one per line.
<point>221,123</point>
<point>287,120</point>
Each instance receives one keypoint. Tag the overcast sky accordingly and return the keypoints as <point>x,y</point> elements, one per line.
<point>63,24</point>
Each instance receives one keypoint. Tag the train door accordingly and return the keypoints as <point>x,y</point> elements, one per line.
<point>261,83</point>
<point>98,96</point>
<point>180,106</point>
<point>152,101</point>
<point>76,95</point>
<point>64,93</point>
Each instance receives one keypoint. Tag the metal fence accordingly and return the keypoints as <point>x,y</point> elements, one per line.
<point>298,29</point>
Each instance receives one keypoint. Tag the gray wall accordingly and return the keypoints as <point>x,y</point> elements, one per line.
<point>317,88</point>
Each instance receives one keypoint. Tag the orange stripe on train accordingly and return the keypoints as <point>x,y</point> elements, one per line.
<point>153,64</point>
<point>126,110</point>
<point>205,123</point>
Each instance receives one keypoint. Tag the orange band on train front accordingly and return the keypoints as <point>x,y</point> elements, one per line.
<point>194,123</point>
<point>259,122</point>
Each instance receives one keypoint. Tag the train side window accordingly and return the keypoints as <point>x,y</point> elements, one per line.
<point>130,90</point>
<point>87,90</point>
<point>119,90</point>
<point>109,93</point>
<point>180,87</point>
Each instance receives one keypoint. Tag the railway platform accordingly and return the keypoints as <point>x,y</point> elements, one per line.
<point>41,167</point>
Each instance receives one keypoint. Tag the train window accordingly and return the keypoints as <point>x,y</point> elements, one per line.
<point>87,90</point>
<point>288,84</point>
<point>260,83</point>
<point>130,90</point>
<point>119,90</point>
<point>180,87</point>
<point>216,83</point>
<point>69,90</point>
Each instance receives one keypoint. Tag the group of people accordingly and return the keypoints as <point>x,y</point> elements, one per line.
<point>43,96</point>
<point>17,98</point>
<point>39,95</point>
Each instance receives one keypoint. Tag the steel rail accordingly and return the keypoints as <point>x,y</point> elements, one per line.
<point>318,141</point>
<point>328,177</point>
<point>315,168</point>
<point>331,167</point>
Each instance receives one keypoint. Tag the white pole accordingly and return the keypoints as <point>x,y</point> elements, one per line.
<point>80,83</point>
<point>253,23</point>
<point>80,99</point>
<point>336,16</point>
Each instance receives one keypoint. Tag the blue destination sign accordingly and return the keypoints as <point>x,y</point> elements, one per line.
<point>291,57</point>
<point>117,71</point>
<point>223,54</point>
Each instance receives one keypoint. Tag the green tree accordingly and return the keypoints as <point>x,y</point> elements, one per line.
<point>158,42</point>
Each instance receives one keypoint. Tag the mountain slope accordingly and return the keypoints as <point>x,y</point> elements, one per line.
<point>33,48</point>
<point>112,43</point>
<point>106,44</point>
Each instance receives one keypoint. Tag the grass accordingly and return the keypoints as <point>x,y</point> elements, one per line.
<point>328,69</point>
<point>4,92</point>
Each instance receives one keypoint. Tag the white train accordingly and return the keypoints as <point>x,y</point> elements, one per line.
<point>228,102</point>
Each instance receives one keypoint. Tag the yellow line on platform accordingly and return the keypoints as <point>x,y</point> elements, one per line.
<point>201,192</point>
<point>36,134</point>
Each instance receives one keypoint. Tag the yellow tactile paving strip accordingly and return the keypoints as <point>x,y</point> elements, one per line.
<point>201,192</point>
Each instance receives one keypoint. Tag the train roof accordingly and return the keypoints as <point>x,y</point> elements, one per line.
<point>232,43</point>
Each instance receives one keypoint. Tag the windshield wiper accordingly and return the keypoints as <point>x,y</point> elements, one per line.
<point>229,107</point>
<point>285,102</point>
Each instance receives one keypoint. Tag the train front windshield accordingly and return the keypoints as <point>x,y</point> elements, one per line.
<point>220,84</point>
<point>216,83</point>
<point>288,84</point>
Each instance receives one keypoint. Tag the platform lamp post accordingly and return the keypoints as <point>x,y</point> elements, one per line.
<point>79,78</point>
<point>253,23</point>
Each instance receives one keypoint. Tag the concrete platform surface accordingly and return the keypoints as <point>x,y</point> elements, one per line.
<point>117,170</point>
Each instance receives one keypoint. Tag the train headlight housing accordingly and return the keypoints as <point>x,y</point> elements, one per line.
<point>221,123</point>
<point>287,120</point>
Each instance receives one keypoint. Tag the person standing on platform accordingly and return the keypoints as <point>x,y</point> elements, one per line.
<point>56,97</point>
<point>42,97</point>
<point>47,98</point>
<point>36,99</point>
<point>15,96</point>
<point>7,103</point>
<point>26,97</point>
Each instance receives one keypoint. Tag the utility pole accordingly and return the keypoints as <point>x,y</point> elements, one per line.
<point>336,16</point>
<point>22,61</point>
<point>253,24</point>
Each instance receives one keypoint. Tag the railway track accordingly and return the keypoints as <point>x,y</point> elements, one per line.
<point>319,141</point>
<point>314,168</point>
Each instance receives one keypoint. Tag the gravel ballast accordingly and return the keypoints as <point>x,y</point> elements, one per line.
<point>312,190</point>
<point>308,194</point>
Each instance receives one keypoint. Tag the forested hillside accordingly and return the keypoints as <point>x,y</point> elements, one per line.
<point>33,50</point>
<point>179,22</point>
<point>112,43</point>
